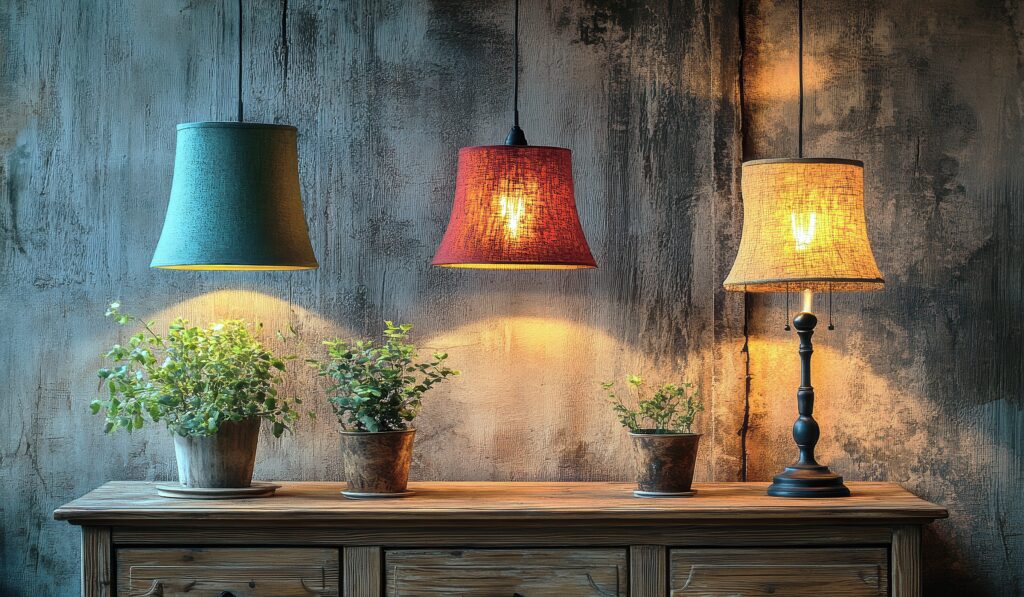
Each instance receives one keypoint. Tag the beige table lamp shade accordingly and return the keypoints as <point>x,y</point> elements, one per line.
<point>804,228</point>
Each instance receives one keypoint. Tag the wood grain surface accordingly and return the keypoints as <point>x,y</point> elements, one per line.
<point>363,574</point>
<point>485,573</point>
<point>123,501</point>
<point>97,554</point>
<point>540,533</point>
<point>268,572</point>
<point>836,572</point>
<point>906,561</point>
<point>648,570</point>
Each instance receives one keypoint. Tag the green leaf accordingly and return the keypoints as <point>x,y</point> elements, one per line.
<point>192,378</point>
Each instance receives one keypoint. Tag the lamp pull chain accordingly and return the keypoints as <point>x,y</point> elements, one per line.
<point>831,326</point>
<point>240,19</point>
<point>800,78</point>
<point>786,327</point>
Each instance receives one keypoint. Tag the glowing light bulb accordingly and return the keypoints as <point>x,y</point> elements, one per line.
<point>803,229</point>
<point>808,300</point>
<point>512,209</point>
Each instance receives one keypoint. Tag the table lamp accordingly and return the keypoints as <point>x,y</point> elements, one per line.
<point>804,230</point>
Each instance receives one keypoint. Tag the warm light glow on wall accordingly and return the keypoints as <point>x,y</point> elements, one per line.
<point>250,305</point>
<point>804,227</point>
<point>514,209</point>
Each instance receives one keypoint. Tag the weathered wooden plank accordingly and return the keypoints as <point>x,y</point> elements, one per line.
<point>839,572</point>
<point>313,501</point>
<point>362,571</point>
<point>577,572</point>
<point>648,570</point>
<point>474,534</point>
<point>906,561</point>
<point>298,572</point>
<point>97,562</point>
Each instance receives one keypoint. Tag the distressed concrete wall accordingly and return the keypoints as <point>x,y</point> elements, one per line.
<point>920,384</point>
<point>384,93</point>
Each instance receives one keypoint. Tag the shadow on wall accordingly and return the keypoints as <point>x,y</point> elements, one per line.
<point>876,428</point>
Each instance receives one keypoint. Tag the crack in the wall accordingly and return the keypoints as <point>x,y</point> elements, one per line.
<point>7,175</point>
<point>284,41</point>
<point>744,429</point>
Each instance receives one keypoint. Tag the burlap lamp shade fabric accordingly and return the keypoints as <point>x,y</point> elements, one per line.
<point>235,201</point>
<point>804,228</point>
<point>514,208</point>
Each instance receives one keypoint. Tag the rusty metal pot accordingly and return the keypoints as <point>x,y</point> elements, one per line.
<point>222,460</point>
<point>377,463</point>
<point>664,462</point>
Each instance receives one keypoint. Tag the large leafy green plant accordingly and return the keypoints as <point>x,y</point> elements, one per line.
<point>193,379</point>
<point>671,409</point>
<point>379,386</point>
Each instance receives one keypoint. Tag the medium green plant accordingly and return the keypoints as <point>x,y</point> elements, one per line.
<point>379,386</point>
<point>671,409</point>
<point>193,379</point>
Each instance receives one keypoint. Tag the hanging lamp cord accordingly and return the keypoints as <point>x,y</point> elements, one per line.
<point>241,116</point>
<point>800,77</point>
<point>515,134</point>
<point>515,63</point>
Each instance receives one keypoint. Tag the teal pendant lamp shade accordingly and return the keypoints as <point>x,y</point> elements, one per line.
<point>235,201</point>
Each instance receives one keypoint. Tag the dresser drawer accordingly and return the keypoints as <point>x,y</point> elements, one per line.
<point>299,572</point>
<point>505,572</point>
<point>850,572</point>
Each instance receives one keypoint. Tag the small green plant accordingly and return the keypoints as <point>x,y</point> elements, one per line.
<point>671,409</point>
<point>193,379</point>
<point>379,386</point>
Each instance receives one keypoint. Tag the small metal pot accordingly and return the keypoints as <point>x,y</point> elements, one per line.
<point>664,463</point>
<point>377,463</point>
<point>222,460</point>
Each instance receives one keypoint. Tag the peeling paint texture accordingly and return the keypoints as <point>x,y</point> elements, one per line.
<point>921,383</point>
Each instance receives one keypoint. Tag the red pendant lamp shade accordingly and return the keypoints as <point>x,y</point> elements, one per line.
<point>514,209</point>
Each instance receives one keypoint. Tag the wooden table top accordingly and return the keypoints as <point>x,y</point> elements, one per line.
<point>311,502</point>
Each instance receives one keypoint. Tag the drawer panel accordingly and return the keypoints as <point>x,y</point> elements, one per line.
<point>844,572</point>
<point>240,572</point>
<point>504,572</point>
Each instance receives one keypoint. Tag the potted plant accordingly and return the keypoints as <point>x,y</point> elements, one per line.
<point>376,390</point>
<point>212,387</point>
<point>664,448</point>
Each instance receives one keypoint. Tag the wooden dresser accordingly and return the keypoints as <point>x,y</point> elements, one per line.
<point>501,540</point>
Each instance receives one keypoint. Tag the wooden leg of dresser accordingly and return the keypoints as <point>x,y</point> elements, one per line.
<point>648,571</point>
<point>362,574</point>
<point>97,562</point>
<point>906,561</point>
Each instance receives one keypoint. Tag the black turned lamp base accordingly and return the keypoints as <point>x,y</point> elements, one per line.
<point>803,481</point>
<point>806,478</point>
